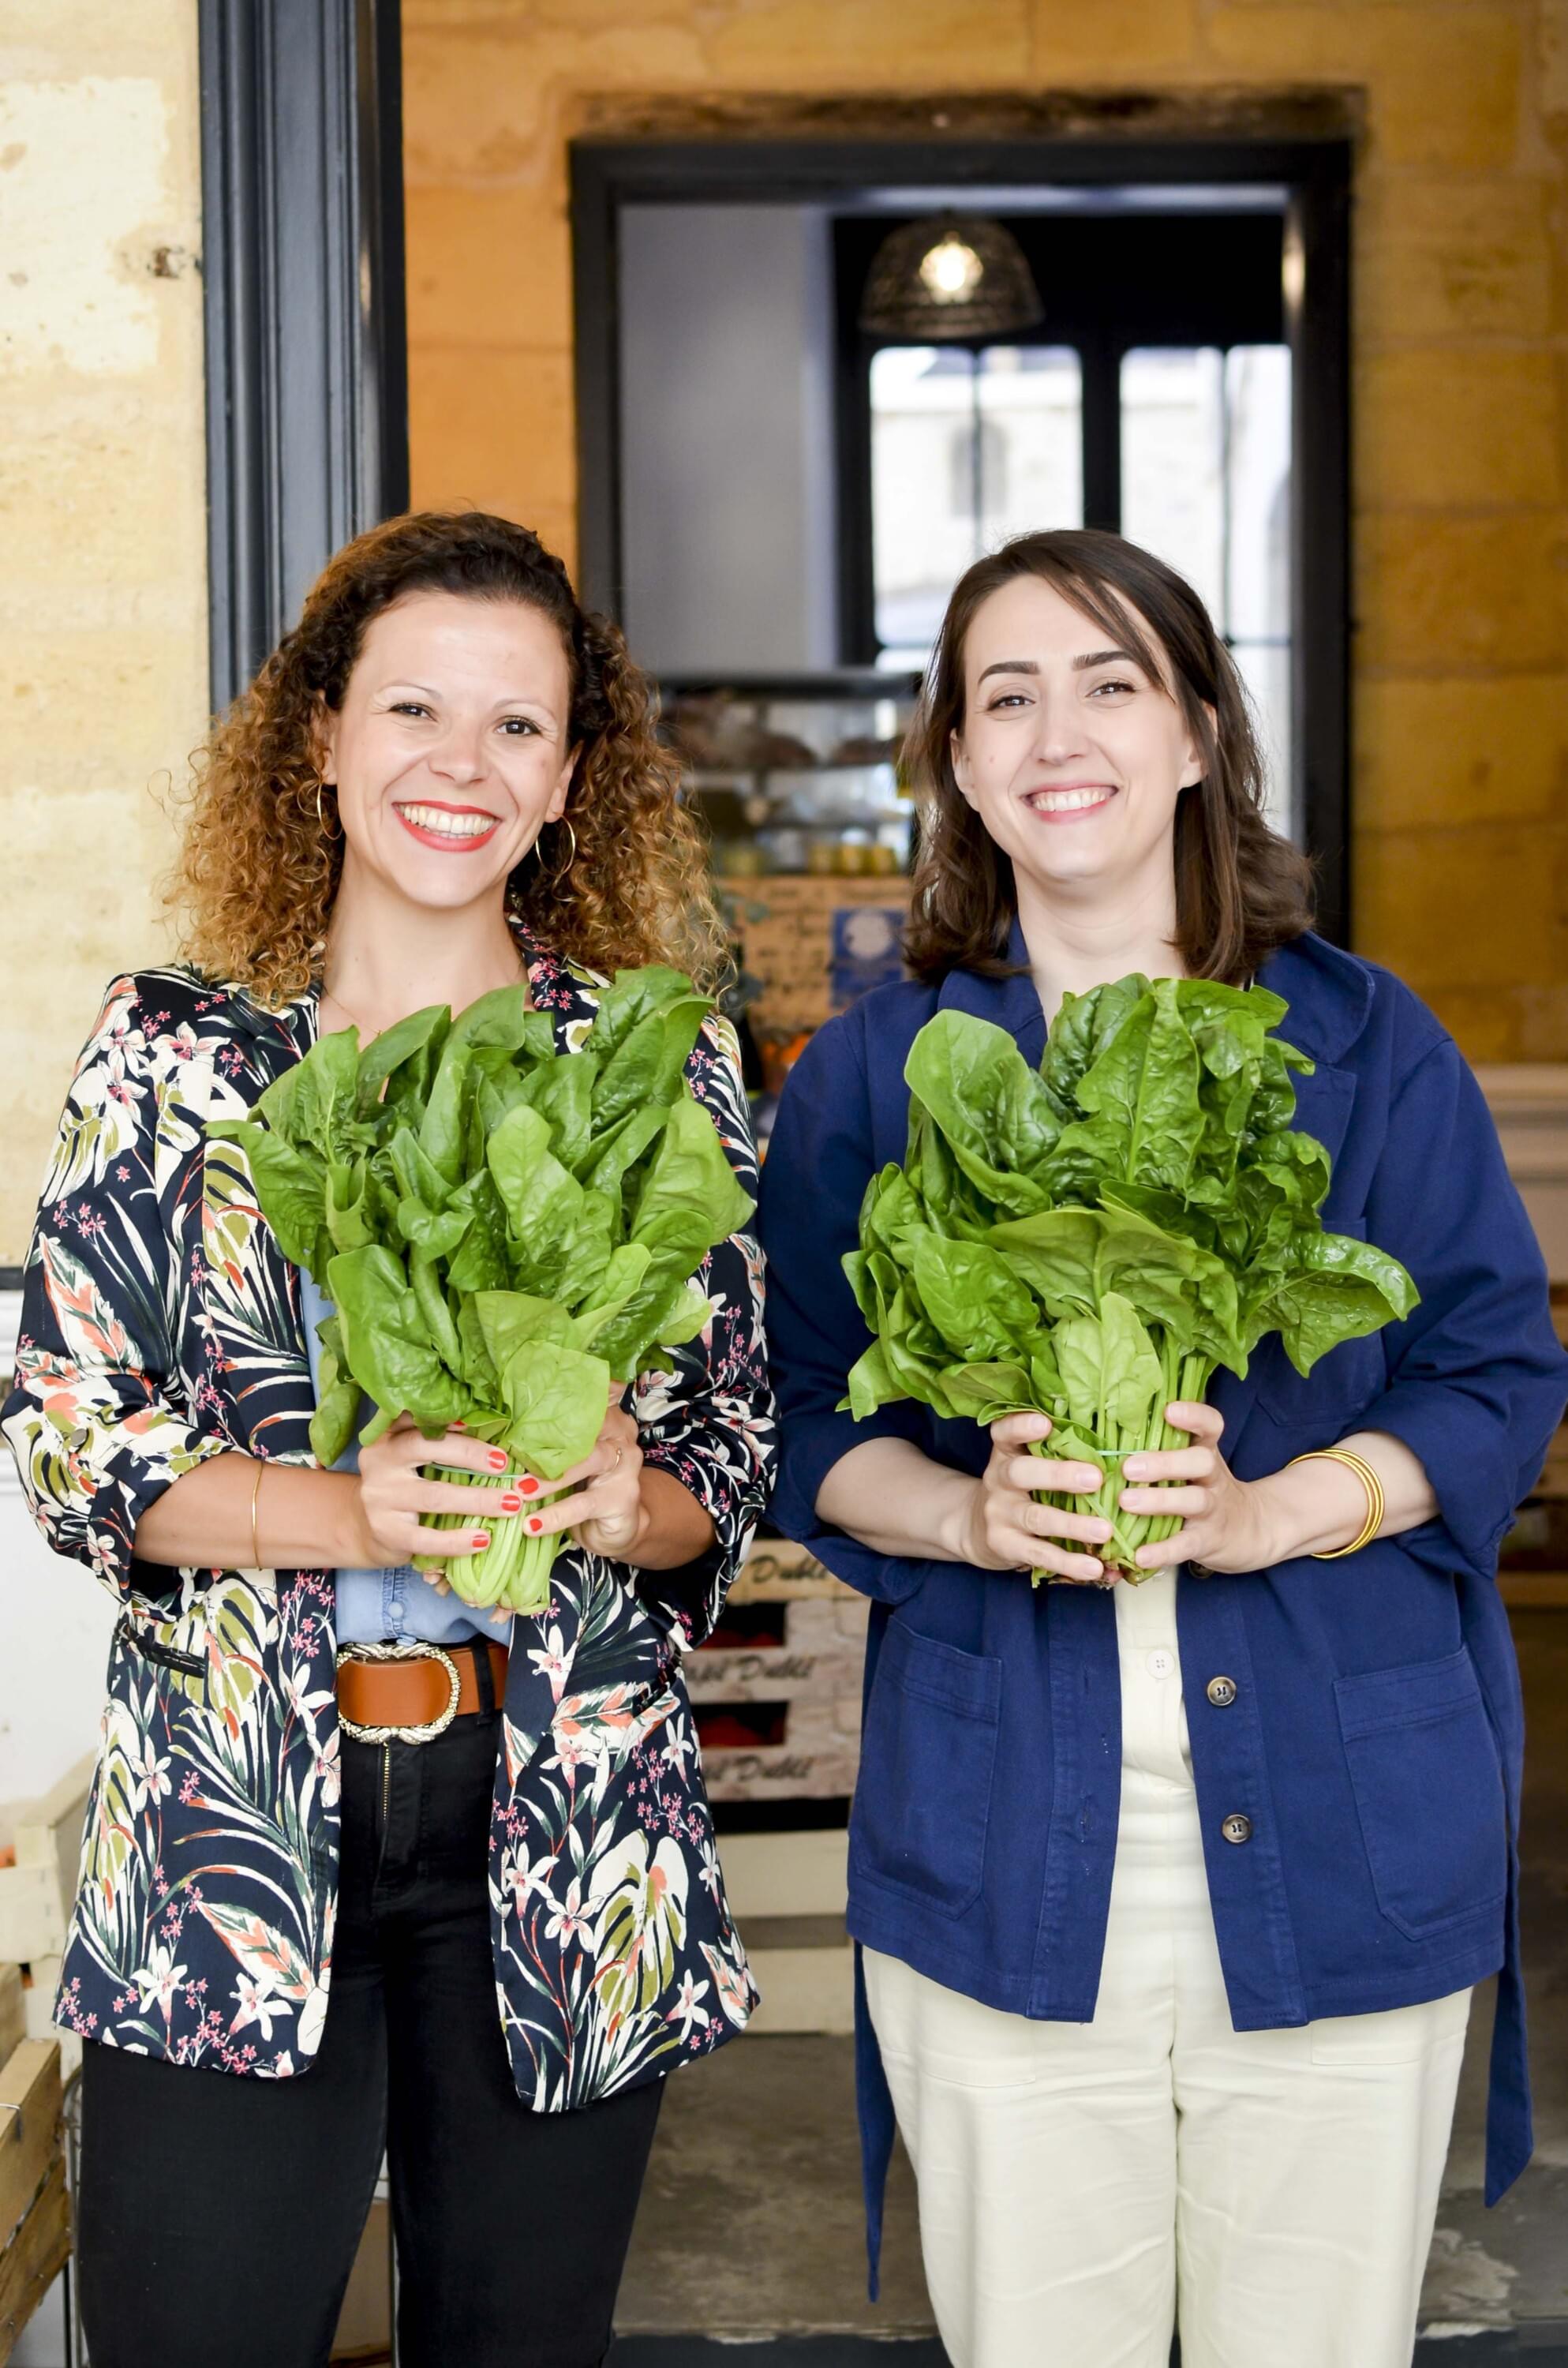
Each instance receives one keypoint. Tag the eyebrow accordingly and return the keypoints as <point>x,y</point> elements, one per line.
<point>1080,665</point>
<point>512,699</point>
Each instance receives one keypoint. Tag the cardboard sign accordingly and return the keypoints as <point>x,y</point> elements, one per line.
<point>816,943</point>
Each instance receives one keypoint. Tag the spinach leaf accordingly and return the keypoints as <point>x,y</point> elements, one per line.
<point>989,1105</point>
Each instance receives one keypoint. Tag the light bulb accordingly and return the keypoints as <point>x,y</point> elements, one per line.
<point>952,269</point>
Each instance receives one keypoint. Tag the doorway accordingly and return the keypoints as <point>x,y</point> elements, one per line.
<point>1188,384</point>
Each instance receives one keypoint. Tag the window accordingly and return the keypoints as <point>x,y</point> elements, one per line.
<point>977,469</point>
<point>1158,404</point>
<point>1206,485</point>
<point>1000,431</point>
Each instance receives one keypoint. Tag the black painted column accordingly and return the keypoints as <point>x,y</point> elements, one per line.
<point>302,253</point>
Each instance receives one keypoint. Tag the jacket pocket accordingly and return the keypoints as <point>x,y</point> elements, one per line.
<point>927,1763</point>
<point>1428,1790</point>
<point>167,1657</point>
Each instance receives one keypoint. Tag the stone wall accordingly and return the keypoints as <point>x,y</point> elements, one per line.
<point>1461,305</point>
<point>1461,315</point>
<point>103,592</point>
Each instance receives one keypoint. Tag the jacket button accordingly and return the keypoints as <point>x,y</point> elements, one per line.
<point>1221,1692</point>
<point>1237,1829</point>
<point>1200,1570</point>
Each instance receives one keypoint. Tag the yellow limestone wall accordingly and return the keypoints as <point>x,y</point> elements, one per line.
<point>1462,311</point>
<point>102,590</point>
<point>1461,342</point>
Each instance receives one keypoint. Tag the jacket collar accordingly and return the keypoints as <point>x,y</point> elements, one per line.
<point>1329,992</point>
<point>1011,1002</point>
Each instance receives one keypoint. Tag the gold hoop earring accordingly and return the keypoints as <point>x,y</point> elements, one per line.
<point>562,868</point>
<point>321,819</point>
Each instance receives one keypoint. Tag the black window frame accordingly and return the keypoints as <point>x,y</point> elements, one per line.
<point>304,277</point>
<point>1314,174</point>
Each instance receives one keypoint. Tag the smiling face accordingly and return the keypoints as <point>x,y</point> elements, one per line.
<point>450,751</point>
<point>1073,757</point>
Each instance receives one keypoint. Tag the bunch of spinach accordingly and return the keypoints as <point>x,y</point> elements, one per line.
<point>1092,1239</point>
<point>504,1230</point>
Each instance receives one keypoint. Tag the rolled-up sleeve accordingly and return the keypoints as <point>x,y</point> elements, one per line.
<point>707,1418</point>
<point>820,1159</point>
<point>98,1419</point>
<point>1477,1379</point>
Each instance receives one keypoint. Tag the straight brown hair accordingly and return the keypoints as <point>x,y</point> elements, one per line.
<point>1242,890</point>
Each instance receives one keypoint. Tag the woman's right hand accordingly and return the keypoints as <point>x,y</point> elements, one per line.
<point>394,1495</point>
<point>1008,1530</point>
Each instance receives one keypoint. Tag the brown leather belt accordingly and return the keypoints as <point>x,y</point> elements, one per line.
<point>410,1693</point>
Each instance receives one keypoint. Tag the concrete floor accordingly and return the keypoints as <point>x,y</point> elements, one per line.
<point>750,2225</point>
<point>1509,2267</point>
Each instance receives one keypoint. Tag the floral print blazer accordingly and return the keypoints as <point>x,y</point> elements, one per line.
<point>161,1325</point>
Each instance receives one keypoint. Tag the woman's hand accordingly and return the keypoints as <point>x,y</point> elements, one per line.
<point>1007,1531</point>
<point>393,1493</point>
<point>605,1510</point>
<point>1224,1520</point>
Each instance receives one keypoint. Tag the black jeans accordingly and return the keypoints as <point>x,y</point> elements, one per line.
<point>219,2216</point>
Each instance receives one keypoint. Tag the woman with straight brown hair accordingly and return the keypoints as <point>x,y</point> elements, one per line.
<point>1169,1897</point>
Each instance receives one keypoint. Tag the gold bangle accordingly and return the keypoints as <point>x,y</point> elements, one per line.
<point>255,1539</point>
<point>1376,1506</point>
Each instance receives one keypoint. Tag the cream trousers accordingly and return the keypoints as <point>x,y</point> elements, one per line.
<point>1079,2183</point>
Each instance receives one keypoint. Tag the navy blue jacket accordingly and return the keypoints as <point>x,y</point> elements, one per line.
<point>1375,1738</point>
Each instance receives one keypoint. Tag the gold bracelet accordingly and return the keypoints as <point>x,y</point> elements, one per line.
<point>1376,1506</point>
<point>255,1540</point>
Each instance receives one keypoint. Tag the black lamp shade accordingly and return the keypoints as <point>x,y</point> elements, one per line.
<point>950,277</point>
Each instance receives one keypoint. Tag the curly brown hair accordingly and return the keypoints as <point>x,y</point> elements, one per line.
<point>258,870</point>
<point>1242,890</point>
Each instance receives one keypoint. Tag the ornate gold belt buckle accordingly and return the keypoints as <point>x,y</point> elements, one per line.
<point>414,1649</point>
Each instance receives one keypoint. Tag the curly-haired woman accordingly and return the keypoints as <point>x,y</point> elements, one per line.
<point>289,1950</point>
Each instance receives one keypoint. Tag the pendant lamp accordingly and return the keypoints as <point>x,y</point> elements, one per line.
<point>949,277</point>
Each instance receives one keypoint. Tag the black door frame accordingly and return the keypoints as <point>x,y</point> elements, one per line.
<point>1313,172</point>
<point>306,325</point>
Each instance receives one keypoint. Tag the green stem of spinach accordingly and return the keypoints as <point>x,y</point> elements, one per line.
<point>1182,1378</point>
<point>512,1573</point>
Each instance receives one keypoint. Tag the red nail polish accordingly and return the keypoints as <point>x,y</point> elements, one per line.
<point>511,1502</point>
<point>530,1486</point>
<point>497,1460</point>
<point>480,1540</point>
<point>535,1525</point>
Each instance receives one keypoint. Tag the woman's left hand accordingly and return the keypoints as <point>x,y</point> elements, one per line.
<point>604,1510</point>
<point>1222,1521</point>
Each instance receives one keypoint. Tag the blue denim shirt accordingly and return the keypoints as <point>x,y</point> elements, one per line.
<point>401,1604</point>
<point>1372,1731</point>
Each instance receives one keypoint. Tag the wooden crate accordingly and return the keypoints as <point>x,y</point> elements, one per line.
<point>814,1758</point>
<point>813,1679</point>
<point>13,2011</point>
<point>34,2258</point>
<point>776,1571</point>
<point>35,2222</point>
<point>821,1652</point>
<point>41,1845</point>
